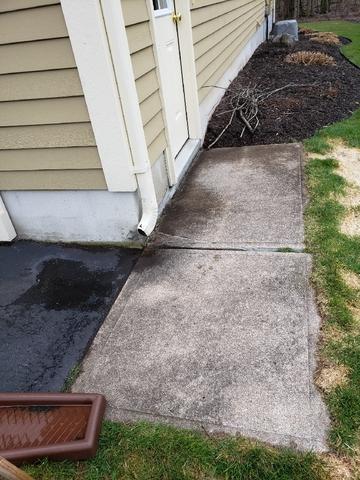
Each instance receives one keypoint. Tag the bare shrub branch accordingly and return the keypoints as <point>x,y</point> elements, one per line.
<point>245,103</point>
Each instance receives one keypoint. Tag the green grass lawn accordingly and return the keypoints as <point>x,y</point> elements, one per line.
<point>154,452</point>
<point>347,130</point>
<point>334,253</point>
<point>346,29</point>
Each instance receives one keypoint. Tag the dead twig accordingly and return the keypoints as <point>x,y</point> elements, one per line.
<point>223,130</point>
<point>245,104</point>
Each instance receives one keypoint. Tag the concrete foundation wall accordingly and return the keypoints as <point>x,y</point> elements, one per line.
<point>74,216</point>
<point>81,216</point>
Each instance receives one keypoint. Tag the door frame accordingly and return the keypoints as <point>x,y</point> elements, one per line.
<point>187,55</point>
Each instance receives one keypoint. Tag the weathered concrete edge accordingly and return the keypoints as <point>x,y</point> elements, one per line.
<point>316,398</point>
<point>300,443</point>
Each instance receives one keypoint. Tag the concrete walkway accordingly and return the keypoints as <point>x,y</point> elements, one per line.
<point>237,198</point>
<point>219,331</point>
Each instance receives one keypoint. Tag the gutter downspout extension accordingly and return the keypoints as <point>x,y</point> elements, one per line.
<point>267,13</point>
<point>118,42</point>
<point>7,230</point>
<point>150,210</point>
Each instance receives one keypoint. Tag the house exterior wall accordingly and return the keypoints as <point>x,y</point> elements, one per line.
<point>46,138</point>
<point>221,29</point>
<point>136,18</point>
<point>32,95</point>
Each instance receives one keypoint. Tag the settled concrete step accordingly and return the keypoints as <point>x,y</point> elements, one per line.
<point>237,198</point>
<point>221,340</point>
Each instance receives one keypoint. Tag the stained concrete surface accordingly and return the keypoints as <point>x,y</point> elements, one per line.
<point>207,336</point>
<point>221,340</point>
<point>53,299</point>
<point>235,198</point>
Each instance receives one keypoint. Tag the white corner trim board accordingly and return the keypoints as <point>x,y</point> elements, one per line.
<point>7,230</point>
<point>89,42</point>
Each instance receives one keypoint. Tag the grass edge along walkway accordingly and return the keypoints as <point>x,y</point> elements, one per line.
<point>336,257</point>
<point>146,451</point>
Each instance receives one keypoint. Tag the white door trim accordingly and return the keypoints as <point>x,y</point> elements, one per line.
<point>88,36</point>
<point>188,66</point>
<point>7,230</point>
<point>190,85</point>
<point>169,157</point>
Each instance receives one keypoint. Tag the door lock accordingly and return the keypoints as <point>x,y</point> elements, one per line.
<point>176,17</point>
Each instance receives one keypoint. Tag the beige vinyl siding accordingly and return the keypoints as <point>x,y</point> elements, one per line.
<point>34,56</point>
<point>33,85</point>
<point>46,138</point>
<point>57,179</point>
<point>44,111</point>
<point>36,24</point>
<point>71,158</point>
<point>221,29</point>
<point>136,18</point>
<point>14,5</point>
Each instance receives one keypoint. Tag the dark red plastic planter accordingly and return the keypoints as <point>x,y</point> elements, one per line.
<point>54,425</point>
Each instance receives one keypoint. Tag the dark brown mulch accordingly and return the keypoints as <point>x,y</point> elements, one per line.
<point>295,113</point>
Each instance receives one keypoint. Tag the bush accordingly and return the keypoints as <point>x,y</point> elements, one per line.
<point>326,38</point>
<point>310,58</point>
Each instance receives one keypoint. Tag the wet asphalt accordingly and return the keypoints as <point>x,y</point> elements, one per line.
<point>53,300</point>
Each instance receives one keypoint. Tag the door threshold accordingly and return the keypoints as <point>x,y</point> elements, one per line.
<point>186,156</point>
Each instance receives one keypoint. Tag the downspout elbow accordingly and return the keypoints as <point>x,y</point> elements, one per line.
<point>149,204</point>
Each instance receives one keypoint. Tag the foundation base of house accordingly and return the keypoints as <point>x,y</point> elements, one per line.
<point>74,216</point>
<point>82,216</point>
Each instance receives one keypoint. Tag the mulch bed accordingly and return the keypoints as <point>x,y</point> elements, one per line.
<point>295,113</point>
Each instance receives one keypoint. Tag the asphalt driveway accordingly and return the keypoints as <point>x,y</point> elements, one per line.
<point>53,300</point>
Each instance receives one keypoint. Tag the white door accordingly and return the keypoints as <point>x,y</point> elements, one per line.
<point>170,72</point>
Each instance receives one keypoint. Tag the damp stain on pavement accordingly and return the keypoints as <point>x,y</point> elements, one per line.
<point>53,300</point>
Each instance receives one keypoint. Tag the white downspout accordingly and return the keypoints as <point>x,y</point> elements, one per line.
<point>150,210</point>
<point>118,42</point>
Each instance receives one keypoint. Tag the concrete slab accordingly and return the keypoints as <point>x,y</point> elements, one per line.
<point>236,198</point>
<point>221,340</point>
<point>53,299</point>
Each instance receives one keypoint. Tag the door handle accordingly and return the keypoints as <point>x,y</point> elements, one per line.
<point>176,17</point>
